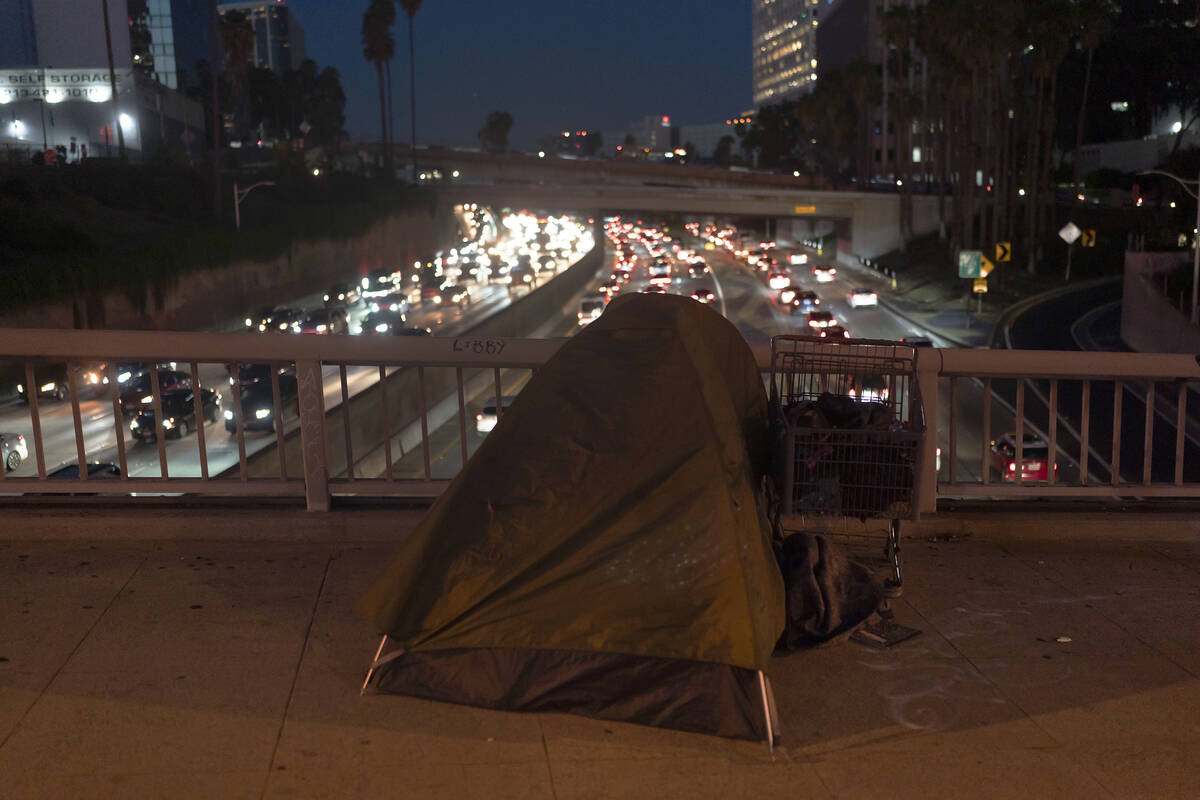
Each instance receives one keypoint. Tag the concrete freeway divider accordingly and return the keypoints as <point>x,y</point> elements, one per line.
<point>400,392</point>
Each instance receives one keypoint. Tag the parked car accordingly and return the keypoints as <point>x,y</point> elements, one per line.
<point>179,414</point>
<point>258,408</point>
<point>486,419</point>
<point>13,450</point>
<point>138,392</point>
<point>1035,457</point>
<point>325,321</point>
<point>862,297</point>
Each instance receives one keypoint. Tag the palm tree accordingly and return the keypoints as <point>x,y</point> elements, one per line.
<point>378,48</point>
<point>411,7</point>
<point>1095,24</point>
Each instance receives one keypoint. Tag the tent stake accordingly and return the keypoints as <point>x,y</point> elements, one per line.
<point>762,685</point>
<point>370,671</point>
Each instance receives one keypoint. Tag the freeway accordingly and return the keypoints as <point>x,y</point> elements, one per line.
<point>100,428</point>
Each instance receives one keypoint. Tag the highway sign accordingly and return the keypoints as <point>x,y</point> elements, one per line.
<point>1088,238</point>
<point>1070,232</point>
<point>979,286</point>
<point>970,263</point>
<point>985,267</point>
<point>1003,251</point>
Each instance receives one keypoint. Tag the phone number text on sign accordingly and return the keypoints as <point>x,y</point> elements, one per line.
<point>489,347</point>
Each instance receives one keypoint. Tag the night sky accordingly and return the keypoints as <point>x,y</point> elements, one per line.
<point>552,64</point>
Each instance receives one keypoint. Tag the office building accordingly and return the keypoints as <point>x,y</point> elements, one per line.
<point>56,90</point>
<point>278,35</point>
<point>784,38</point>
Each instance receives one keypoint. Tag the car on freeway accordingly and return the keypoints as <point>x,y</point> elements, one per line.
<point>824,273</point>
<point>698,268</point>
<point>430,295</point>
<point>798,259</point>
<point>253,373</point>
<point>703,296</point>
<point>377,281</point>
<point>1035,457</point>
<point>383,323</point>
<point>392,301</point>
<point>95,469</point>
<point>779,280</point>
<point>662,281</point>
<point>653,289</point>
<point>258,409</point>
<point>325,321</point>
<point>487,418</point>
<point>139,391</point>
<point>454,296</point>
<point>819,319</point>
<point>590,309</point>
<point>179,414</point>
<point>609,288</point>
<point>863,298</point>
<point>341,294</point>
<point>51,381</point>
<point>834,332</point>
<point>282,320</point>
<point>13,450</point>
<point>868,388</point>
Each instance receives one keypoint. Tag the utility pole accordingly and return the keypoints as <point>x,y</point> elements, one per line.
<point>112,82</point>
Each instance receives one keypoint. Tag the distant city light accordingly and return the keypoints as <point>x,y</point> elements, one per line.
<point>795,173</point>
<point>454,174</point>
<point>316,171</point>
<point>1172,204</point>
<point>541,153</point>
<point>1177,127</point>
<point>1021,192</point>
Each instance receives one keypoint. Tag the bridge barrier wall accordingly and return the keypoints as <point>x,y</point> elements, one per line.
<point>368,426</point>
<point>1149,322</point>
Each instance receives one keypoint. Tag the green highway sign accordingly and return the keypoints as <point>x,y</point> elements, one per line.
<point>970,263</point>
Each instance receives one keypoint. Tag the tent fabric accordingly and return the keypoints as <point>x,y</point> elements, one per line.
<point>611,511</point>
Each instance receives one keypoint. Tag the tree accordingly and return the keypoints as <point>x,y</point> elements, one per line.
<point>1095,24</point>
<point>410,8</point>
<point>378,48</point>
<point>723,153</point>
<point>237,40</point>
<point>493,136</point>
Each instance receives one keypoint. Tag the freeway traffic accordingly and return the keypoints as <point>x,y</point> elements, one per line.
<point>499,259</point>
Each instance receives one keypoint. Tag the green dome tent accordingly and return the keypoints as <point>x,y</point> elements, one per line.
<point>603,552</point>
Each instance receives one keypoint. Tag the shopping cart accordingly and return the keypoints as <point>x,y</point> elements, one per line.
<point>847,426</point>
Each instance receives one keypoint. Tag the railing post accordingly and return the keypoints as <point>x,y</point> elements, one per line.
<point>927,476</point>
<point>311,386</point>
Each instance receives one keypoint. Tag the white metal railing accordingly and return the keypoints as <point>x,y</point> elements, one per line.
<point>388,416</point>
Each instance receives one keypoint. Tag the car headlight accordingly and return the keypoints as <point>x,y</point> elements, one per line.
<point>169,423</point>
<point>249,322</point>
<point>228,414</point>
<point>133,424</point>
<point>381,327</point>
<point>148,399</point>
<point>124,376</point>
<point>326,298</point>
<point>20,389</point>
<point>93,377</point>
<point>262,413</point>
<point>322,328</point>
<point>49,387</point>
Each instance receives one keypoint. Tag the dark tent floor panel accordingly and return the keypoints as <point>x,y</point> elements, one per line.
<point>694,696</point>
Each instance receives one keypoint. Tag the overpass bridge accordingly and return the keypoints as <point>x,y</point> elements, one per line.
<point>800,206</point>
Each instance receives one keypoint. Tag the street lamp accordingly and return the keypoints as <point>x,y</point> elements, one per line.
<point>1196,233</point>
<point>239,195</point>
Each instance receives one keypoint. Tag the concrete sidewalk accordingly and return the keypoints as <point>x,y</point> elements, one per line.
<point>229,666</point>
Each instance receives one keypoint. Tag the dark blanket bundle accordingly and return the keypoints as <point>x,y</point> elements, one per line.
<point>827,594</point>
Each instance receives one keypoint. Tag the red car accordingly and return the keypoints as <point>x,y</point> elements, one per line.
<point>1035,458</point>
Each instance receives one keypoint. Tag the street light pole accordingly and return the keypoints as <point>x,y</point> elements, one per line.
<point>1195,235</point>
<point>239,196</point>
